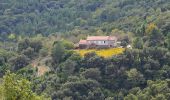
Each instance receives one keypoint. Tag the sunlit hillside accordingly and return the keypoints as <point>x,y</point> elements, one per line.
<point>102,52</point>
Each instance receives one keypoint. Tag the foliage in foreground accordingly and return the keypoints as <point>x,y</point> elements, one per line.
<point>15,88</point>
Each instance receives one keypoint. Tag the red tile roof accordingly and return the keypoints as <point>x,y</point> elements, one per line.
<point>101,38</point>
<point>112,38</point>
<point>83,42</point>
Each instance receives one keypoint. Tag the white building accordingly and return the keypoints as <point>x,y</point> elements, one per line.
<point>99,41</point>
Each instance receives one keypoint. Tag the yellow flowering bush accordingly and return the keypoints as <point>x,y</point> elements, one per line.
<point>102,52</point>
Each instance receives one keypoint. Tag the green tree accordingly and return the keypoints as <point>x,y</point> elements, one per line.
<point>19,62</point>
<point>36,45</point>
<point>155,36</point>
<point>92,73</point>
<point>68,45</point>
<point>141,30</point>
<point>43,52</point>
<point>138,43</point>
<point>68,67</point>
<point>57,52</point>
<point>80,89</point>
<point>12,36</point>
<point>24,44</point>
<point>29,52</point>
<point>155,90</point>
<point>159,97</point>
<point>131,97</point>
<point>135,77</point>
<point>111,70</point>
<point>167,41</point>
<point>16,88</point>
<point>4,68</point>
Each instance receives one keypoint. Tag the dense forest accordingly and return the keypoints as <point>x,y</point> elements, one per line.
<point>38,60</point>
<point>50,16</point>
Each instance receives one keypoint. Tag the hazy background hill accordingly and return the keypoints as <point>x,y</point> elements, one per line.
<point>51,16</point>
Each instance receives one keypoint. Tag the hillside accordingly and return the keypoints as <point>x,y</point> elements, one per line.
<point>41,57</point>
<point>29,17</point>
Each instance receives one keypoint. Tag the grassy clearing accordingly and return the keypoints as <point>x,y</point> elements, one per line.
<point>102,52</point>
<point>42,68</point>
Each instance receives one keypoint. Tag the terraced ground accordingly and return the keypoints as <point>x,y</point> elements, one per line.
<point>102,52</point>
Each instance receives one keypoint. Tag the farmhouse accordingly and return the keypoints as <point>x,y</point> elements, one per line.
<point>98,42</point>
